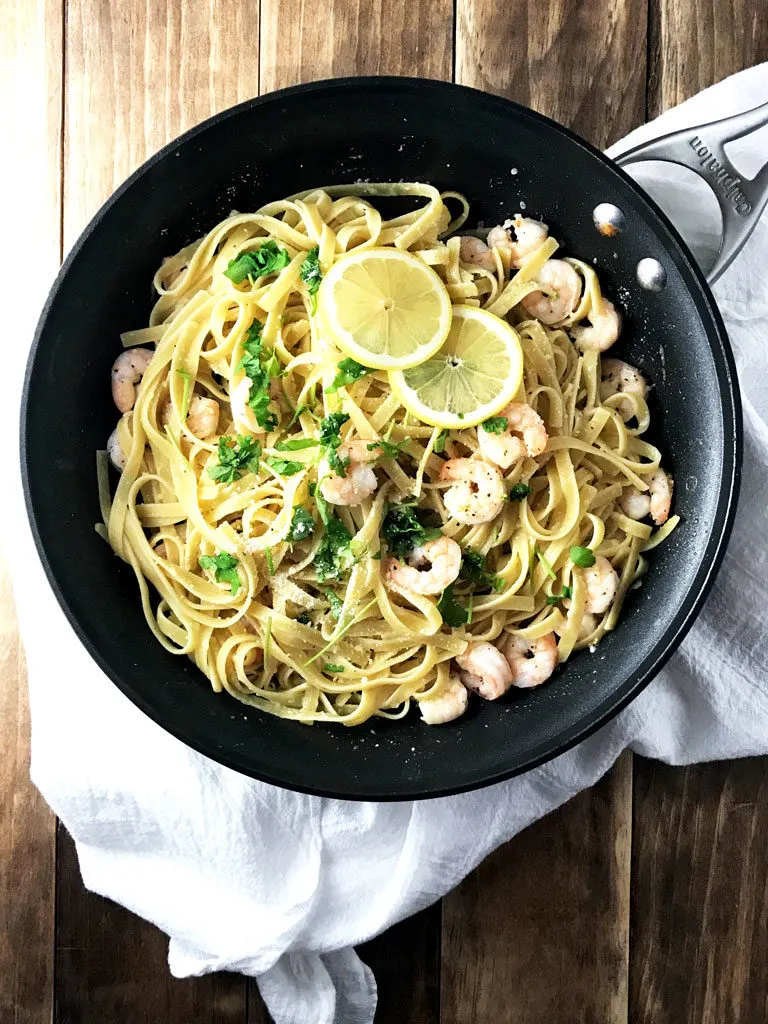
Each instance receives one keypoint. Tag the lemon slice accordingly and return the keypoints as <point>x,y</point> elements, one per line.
<point>474,375</point>
<point>385,308</point>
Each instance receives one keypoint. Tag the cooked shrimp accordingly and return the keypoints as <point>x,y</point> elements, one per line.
<point>485,670</point>
<point>478,494</point>
<point>452,703</point>
<point>359,481</point>
<point>531,662</point>
<point>634,503</point>
<point>525,435</point>
<point>115,451</point>
<point>619,378</point>
<point>561,291</point>
<point>127,371</point>
<point>431,567</point>
<point>475,252</point>
<point>530,235</point>
<point>203,416</point>
<point>603,330</point>
<point>660,486</point>
<point>602,582</point>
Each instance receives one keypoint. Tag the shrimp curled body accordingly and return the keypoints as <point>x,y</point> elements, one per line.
<point>531,662</point>
<point>359,481</point>
<point>619,378</point>
<point>127,371</point>
<point>477,494</point>
<point>530,235</point>
<point>449,705</point>
<point>603,330</point>
<point>526,434</point>
<point>559,295</point>
<point>441,560</point>
<point>485,670</point>
<point>602,582</point>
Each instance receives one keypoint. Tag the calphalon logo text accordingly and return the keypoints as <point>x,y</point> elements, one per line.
<point>727,183</point>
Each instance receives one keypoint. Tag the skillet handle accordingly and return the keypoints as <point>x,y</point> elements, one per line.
<point>701,148</point>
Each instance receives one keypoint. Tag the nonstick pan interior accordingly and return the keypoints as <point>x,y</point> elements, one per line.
<point>505,159</point>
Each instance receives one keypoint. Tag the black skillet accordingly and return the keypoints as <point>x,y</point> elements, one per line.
<point>501,156</point>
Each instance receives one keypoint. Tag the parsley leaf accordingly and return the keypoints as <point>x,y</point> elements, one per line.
<point>473,570</point>
<point>302,524</point>
<point>582,556</point>
<point>333,668</point>
<point>442,437</point>
<point>284,467</point>
<point>519,491</point>
<point>545,563</point>
<point>311,274</point>
<point>454,615</point>
<point>259,367</point>
<point>403,529</point>
<point>267,259</point>
<point>554,598</point>
<point>389,450</point>
<point>330,439</point>
<point>334,554</point>
<point>335,602</point>
<point>270,563</point>
<point>225,567</point>
<point>349,371</point>
<point>496,424</point>
<point>234,458</point>
<point>297,445</point>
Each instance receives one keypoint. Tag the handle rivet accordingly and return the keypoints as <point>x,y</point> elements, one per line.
<point>609,220</point>
<point>651,275</point>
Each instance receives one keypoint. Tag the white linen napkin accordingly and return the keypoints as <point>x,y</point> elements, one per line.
<point>184,842</point>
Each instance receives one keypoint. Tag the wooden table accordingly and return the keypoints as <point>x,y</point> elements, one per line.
<point>642,900</point>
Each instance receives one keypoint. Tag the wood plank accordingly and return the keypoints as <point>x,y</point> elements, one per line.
<point>111,966</point>
<point>700,894</point>
<point>30,127</point>
<point>700,857</point>
<point>302,41</point>
<point>697,44</point>
<point>538,934</point>
<point>580,63</point>
<point>138,75</point>
<point>514,944</point>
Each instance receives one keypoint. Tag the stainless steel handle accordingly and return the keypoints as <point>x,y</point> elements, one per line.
<point>741,200</point>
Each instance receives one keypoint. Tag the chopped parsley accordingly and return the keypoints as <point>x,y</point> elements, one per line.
<point>260,367</point>
<point>335,602</point>
<point>330,439</point>
<point>519,491</point>
<point>235,457</point>
<point>550,571</point>
<point>333,668</point>
<point>389,450</point>
<point>334,555</point>
<point>267,259</point>
<point>442,437</point>
<point>403,529</point>
<point>311,274</point>
<point>496,424</point>
<point>473,570</point>
<point>582,556</point>
<point>554,598</point>
<point>304,619</point>
<point>297,445</point>
<point>284,467</point>
<point>225,567</point>
<point>454,614</point>
<point>349,371</point>
<point>270,563</point>
<point>302,525</point>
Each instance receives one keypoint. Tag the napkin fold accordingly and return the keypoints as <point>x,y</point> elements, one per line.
<point>246,877</point>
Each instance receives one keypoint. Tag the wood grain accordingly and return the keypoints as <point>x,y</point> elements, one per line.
<point>30,129</point>
<point>696,43</point>
<point>580,63</point>
<point>302,41</point>
<point>700,894</point>
<point>111,966</point>
<point>538,934</point>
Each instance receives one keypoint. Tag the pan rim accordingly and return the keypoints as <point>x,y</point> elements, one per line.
<point>712,555</point>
